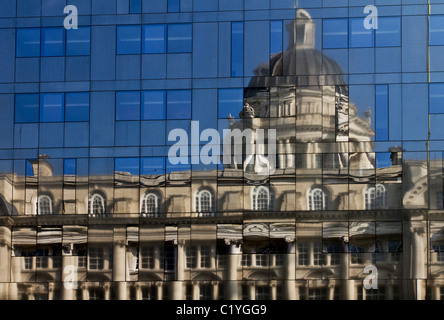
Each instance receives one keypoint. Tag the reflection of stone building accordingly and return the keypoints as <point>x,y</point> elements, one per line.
<point>304,232</point>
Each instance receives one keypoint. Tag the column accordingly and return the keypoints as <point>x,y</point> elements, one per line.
<point>138,291</point>
<point>5,262</point>
<point>252,291</point>
<point>281,154</point>
<point>273,286</point>
<point>15,275</point>
<point>290,270</point>
<point>69,273</point>
<point>232,265</point>
<point>436,294</point>
<point>215,285</point>
<point>290,154</point>
<point>331,291</point>
<point>177,286</point>
<point>418,272</point>
<point>196,291</point>
<point>51,291</point>
<point>347,284</point>
<point>119,262</point>
<point>85,293</point>
<point>107,290</point>
<point>159,285</point>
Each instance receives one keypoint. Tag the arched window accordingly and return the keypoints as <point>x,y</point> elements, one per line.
<point>96,204</point>
<point>204,203</point>
<point>150,204</point>
<point>262,198</point>
<point>375,197</point>
<point>43,205</point>
<point>316,200</point>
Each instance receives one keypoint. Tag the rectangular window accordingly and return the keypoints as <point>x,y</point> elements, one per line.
<point>275,37</point>
<point>148,258</point>
<point>154,38</point>
<point>135,6</point>
<point>96,258</point>
<point>180,38</point>
<point>41,262</point>
<point>53,42</point>
<point>26,108</point>
<point>179,104</point>
<point>318,256</point>
<point>128,105</point>
<point>246,260</point>
<point>205,257</point>
<point>191,252</point>
<point>152,166</point>
<point>382,113</point>
<point>436,97</point>
<point>360,37</point>
<point>78,41</point>
<point>436,30</point>
<point>28,263</point>
<point>128,165</point>
<point>303,254</point>
<point>173,5</point>
<point>81,262</point>
<point>237,49</point>
<point>261,260</point>
<point>28,42</point>
<point>52,107</point>
<point>230,103</point>
<point>388,33</point>
<point>335,33</point>
<point>77,106</point>
<point>128,39</point>
<point>153,105</point>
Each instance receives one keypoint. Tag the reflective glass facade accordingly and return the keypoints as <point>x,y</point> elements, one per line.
<point>221,149</point>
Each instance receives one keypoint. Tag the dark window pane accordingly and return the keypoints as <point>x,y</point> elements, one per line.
<point>359,35</point>
<point>179,37</point>
<point>53,42</point>
<point>154,38</point>
<point>77,106</point>
<point>335,33</point>
<point>128,105</point>
<point>436,30</point>
<point>128,39</point>
<point>130,165</point>
<point>135,6</point>
<point>27,108</point>
<point>28,42</point>
<point>436,92</point>
<point>173,5</point>
<point>388,33</point>
<point>153,105</point>
<point>51,107</point>
<point>78,41</point>
<point>152,166</point>
<point>237,49</point>
<point>179,104</point>
<point>230,103</point>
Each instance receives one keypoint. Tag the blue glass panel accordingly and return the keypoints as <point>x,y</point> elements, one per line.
<point>128,39</point>
<point>29,169</point>
<point>152,166</point>
<point>78,41</point>
<point>436,97</point>
<point>135,6</point>
<point>275,36</point>
<point>436,30</point>
<point>335,33</point>
<point>154,38</point>
<point>381,112</point>
<point>173,5</point>
<point>51,107</point>
<point>127,133</point>
<point>179,37</point>
<point>28,42</point>
<point>130,165</point>
<point>152,133</point>
<point>26,108</point>
<point>359,35</point>
<point>153,105</point>
<point>237,49</point>
<point>179,104</point>
<point>69,166</point>
<point>128,105</point>
<point>388,33</point>
<point>77,106</point>
<point>230,102</point>
<point>53,42</point>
